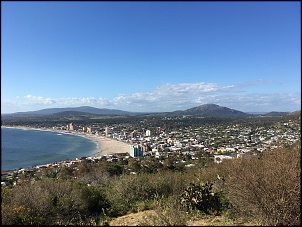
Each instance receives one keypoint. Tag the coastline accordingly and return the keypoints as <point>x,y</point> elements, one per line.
<point>105,145</point>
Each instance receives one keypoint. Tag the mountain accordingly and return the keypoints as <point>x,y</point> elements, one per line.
<point>70,114</point>
<point>211,110</point>
<point>295,113</point>
<point>207,110</point>
<point>83,109</point>
<point>276,114</point>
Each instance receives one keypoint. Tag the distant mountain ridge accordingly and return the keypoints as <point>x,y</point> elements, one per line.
<point>206,110</point>
<point>276,114</point>
<point>83,109</point>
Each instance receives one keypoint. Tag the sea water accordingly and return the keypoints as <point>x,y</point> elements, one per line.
<point>24,148</point>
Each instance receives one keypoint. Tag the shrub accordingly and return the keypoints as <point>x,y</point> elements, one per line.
<point>52,202</point>
<point>267,189</point>
<point>94,174</point>
<point>170,213</point>
<point>202,197</point>
<point>129,191</point>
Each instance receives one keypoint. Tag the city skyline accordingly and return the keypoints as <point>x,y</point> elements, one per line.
<point>151,56</point>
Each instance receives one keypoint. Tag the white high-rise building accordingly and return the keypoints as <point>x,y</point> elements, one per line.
<point>136,151</point>
<point>148,133</point>
<point>71,127</point>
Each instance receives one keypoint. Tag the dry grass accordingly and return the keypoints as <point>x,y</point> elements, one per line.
<point>267,189</point>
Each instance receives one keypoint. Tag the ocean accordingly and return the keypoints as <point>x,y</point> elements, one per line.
<point>24,148</point>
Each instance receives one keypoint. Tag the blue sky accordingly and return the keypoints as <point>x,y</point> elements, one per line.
<point>150,56</point>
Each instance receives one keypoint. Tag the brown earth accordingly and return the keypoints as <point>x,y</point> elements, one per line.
<point>135,219</point>
<point>150,217</point>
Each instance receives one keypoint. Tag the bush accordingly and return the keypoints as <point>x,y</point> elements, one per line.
<point>52,202</point>
<point>170,213</point>
<point>267,189</point>
<point>129,191</point>
<point>202,197</point>
<point>94,174</point>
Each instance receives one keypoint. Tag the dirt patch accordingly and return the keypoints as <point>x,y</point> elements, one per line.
<point>150,218</point>
<point>135,219</point>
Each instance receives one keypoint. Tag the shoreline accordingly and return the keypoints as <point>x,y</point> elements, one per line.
<point>105,146</point>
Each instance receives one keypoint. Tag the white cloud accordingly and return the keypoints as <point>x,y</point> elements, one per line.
<point>40,99</point>
<point>190,88</point>
<point>170,97</point>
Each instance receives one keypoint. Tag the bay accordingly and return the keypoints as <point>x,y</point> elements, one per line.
<point>24,148</point>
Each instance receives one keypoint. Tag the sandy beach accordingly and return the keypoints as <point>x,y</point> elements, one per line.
<point>107,145</point>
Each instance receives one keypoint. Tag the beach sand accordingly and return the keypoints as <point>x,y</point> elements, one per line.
<point>107,145</point>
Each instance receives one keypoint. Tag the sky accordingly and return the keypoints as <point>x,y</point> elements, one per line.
<point>150,56</point>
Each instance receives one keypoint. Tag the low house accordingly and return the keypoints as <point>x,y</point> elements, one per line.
<point>219,158</point>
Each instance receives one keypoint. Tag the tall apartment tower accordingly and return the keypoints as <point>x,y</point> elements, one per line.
<point>89,130</point>
<point>136,151</point>
<point>148,133</point>
<point>71,127</point>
